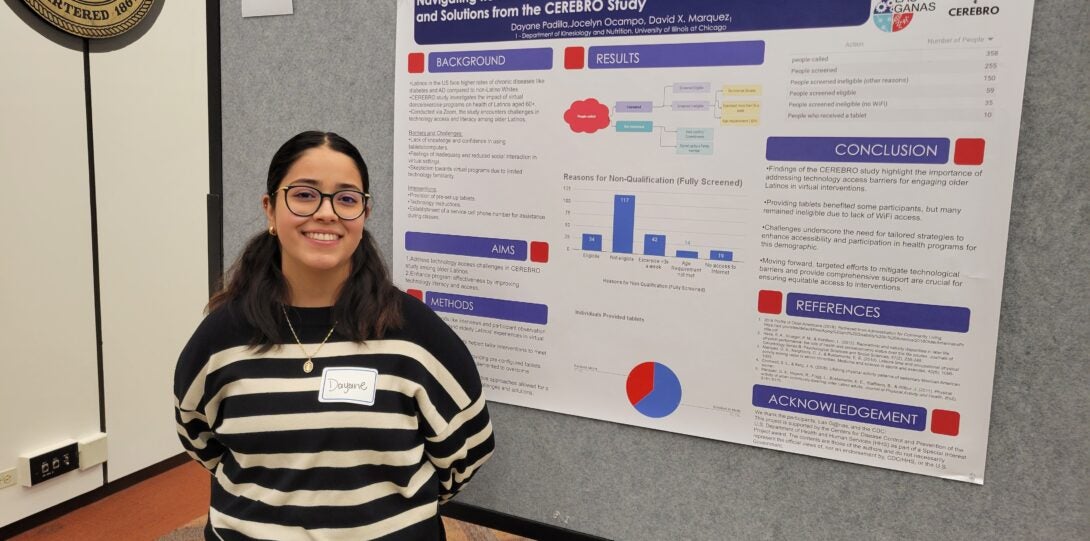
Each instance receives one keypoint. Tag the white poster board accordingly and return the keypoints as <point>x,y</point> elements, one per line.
<point>776,224</point>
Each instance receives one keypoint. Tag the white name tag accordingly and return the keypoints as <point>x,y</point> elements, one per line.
<point>355,385</point>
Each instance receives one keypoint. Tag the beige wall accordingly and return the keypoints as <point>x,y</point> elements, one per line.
<point>150,103</point>
<point>150,120</point>
<point>49,382</point>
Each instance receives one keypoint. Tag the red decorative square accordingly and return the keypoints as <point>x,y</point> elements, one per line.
<point>945,422</point>
<point>969,151</point>
<point>539,252</point>
<point>770,302</point>
<point>574,58</point>
<point>416,62</point>
<point>416,293</point>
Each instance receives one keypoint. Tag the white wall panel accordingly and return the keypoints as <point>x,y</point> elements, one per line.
<point>150,105</point>
<point>49,380</point>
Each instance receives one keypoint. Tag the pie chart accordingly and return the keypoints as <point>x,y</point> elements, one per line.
<point>653,389</point>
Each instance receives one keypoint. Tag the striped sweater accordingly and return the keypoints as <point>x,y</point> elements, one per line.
<point>363,447</point>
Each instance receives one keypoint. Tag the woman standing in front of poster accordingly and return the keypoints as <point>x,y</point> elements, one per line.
<point>326,403</point>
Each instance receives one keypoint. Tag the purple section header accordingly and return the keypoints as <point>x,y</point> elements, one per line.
<point>496,60</point>
<point>633,107</point>
<point>895,314</point>
<point>525,312</point>
<point>677,55</point>
<point>841,407</point>
<point>493,248</point>
<point>858,149</point>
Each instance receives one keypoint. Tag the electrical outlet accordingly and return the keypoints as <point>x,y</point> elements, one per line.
<point>7,478</point>
<point>45,465</point>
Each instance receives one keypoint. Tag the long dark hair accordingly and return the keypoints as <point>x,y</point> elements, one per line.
<point>367,305</point>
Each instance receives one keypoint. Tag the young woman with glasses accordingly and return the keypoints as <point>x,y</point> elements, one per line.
<point>326,403</point>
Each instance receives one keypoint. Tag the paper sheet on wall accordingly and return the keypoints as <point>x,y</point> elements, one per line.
<point>776,224</point>
<point>265,8</point>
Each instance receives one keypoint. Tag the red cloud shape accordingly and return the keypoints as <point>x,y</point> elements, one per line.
<point>587,116</point>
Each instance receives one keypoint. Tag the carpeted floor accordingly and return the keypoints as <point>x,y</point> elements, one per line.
<point>191,531</point>
<point>166,500</point>
<point>456,531</point>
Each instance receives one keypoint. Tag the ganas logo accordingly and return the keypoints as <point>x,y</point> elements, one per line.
<point>894,15</point>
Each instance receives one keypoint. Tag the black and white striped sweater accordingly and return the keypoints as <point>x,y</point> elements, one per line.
<point>363,447</point>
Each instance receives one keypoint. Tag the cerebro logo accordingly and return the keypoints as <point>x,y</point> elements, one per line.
<point>974,10</point>
<point>894,15</point>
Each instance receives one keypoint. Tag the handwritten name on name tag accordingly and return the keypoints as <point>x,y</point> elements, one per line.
<point>354,385</point>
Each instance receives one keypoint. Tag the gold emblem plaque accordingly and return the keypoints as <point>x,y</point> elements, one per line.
<point>92,19</point>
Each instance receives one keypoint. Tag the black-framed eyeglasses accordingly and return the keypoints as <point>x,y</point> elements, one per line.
<point>304,201</point>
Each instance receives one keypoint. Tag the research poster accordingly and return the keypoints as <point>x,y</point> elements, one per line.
<point>779,224</point>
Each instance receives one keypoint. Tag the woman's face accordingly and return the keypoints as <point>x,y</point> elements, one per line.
<point>322,241</point>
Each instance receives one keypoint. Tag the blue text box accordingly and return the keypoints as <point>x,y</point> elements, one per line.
<point>491,248</point>
<point>695,134</point>
<point>876,312</point>
<point>844,408</point>
<point>694,149</point>
<point>858,149</point>
<point>525,312</point>
<point>635,126</point>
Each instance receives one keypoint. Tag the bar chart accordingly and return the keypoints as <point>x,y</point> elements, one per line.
<point>658,224</point>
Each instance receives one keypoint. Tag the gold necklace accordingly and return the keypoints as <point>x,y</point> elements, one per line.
<point>308,366</point>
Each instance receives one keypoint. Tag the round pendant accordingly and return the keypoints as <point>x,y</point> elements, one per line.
<point>308,366</point>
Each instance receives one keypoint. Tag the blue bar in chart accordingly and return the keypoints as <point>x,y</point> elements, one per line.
<point>654,245</point>
<point>624,223</point>
<point>625,234</point>
<point>592,243</point>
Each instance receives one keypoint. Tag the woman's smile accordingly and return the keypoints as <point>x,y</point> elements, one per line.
<point>322,237</point>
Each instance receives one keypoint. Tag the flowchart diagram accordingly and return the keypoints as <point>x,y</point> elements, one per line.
<point>728,105</point>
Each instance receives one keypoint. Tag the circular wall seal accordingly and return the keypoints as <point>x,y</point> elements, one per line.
<point>92,19</point>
